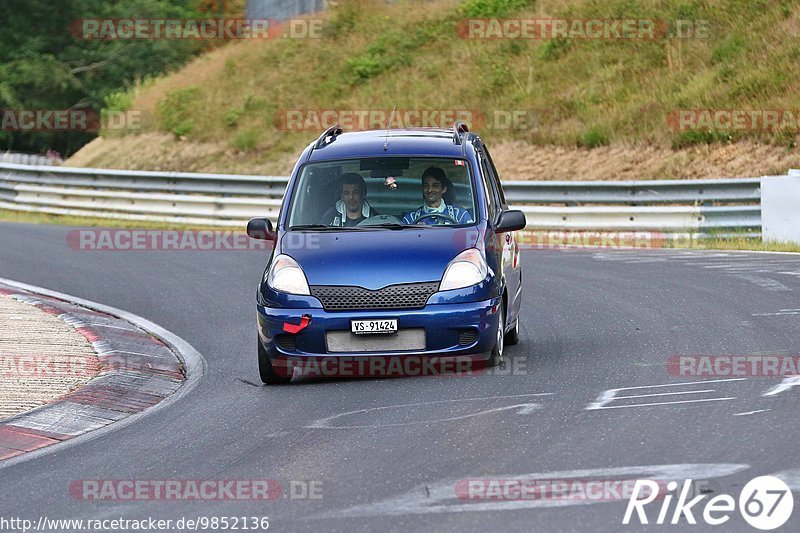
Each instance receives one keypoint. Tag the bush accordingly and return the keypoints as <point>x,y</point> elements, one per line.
<point>689,138</point>
<point>727,51</point>
<point>343,20</point>
<point>554,48</point>
<point>493,8</point>
<point>246,140</point>
<point>175,112</point>
<point>232,118</point>
<point>593,138</point>
<point>392,49</point>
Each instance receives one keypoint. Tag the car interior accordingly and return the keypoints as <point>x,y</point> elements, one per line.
<point>319,186</point>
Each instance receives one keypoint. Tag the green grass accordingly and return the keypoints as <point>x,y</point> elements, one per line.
<point>742,243</point>
<point>374,55</point>
<point>624,240</point>
<point>68,220</point>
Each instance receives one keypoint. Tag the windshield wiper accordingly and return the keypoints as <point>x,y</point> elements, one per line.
<point>321,227</point>
<point>395,226</point>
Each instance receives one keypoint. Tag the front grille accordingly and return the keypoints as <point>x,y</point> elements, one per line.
<point>350,298</point>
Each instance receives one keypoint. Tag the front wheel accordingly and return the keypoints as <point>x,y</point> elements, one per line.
<point>512,337</point>
<point>497,352</point>
<point>267,371</point>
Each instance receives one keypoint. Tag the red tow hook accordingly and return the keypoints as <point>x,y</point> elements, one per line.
<point>293,328</point>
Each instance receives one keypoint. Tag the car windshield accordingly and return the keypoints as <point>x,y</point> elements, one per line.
<point>385,192</point>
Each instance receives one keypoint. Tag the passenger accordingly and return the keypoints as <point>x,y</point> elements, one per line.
<point>434,186</point>
<point>353,207</point>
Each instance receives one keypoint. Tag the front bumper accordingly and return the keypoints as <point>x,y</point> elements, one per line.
<point>445,326</point>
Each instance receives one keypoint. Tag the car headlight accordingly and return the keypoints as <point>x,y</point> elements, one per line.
<point>285,275</point>
<point>468,268</point>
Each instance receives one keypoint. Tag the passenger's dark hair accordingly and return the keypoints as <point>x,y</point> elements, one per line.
<point>352,178</point>
<point>439,175</point>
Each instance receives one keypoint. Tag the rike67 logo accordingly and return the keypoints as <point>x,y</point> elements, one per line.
<point>765,503</point>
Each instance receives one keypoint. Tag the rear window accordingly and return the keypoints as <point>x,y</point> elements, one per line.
<point>359,193</point>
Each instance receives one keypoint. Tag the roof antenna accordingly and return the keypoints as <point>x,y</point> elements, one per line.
<point>388,125</point>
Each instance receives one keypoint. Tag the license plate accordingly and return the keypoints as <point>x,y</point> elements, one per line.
<point>373,327</point>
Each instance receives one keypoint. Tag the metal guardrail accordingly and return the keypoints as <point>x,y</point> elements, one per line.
<point>28,159</point>
<point>693,206</point>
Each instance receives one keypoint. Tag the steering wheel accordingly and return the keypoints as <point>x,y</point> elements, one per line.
<point>439,215</point>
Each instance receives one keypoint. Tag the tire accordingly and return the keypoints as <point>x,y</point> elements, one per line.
<point>267,371</point>
<point>512,337</point>
<point>497,352</point>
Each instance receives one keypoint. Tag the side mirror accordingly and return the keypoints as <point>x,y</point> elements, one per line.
<point>260,228</point>
<point>511,220</point>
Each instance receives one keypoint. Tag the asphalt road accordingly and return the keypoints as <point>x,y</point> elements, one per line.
<point>388,453</point>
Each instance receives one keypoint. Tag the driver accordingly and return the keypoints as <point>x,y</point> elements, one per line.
<point>353,207</point>
<point>434,186</point>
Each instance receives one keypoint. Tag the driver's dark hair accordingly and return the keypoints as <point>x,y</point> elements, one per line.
<point>439,175</point>
<point>353,178</point>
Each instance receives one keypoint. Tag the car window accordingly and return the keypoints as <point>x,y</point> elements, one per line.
<point>393,193</point>
<point>491,198</point>
<point>495,178</point>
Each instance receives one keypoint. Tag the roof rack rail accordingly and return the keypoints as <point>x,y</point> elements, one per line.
<point>459,128</point>
<point>332,132</point>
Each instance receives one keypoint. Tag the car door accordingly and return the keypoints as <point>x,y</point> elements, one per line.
<point>508,241</point>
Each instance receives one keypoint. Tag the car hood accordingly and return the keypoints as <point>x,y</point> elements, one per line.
<point>376,258</point>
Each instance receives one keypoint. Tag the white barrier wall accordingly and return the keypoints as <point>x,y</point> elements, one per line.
<point>780,208</point>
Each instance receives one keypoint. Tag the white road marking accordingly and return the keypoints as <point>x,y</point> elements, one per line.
<point>790,477</point>
<point>441,497</point>
<point>667,403</point>
<point>522,409</point>
<point>786,384</point>
<point>610,395</point>
<point>724,265</point>
<point>765,283</point>
<point>662,394</point>
<point>752,412</point>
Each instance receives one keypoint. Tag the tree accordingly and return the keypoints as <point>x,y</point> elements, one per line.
<point>43,66</point>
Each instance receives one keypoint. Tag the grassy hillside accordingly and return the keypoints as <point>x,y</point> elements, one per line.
<point>223,111</point>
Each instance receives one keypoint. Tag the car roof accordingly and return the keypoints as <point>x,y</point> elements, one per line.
<point>393,142</point>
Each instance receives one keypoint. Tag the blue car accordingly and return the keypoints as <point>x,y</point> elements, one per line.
<point>394,254</point>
